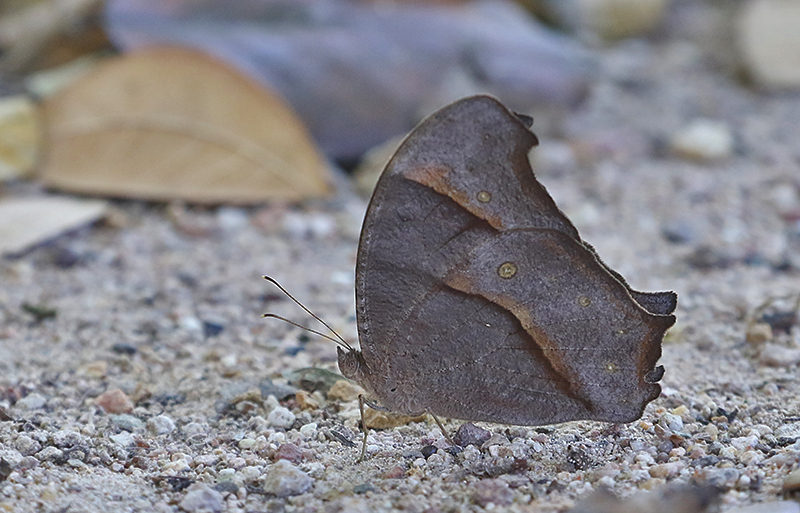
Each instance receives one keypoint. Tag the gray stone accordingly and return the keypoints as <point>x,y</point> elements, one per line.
<point>201,498</point>
<point>67,438</point>
<point>284,479</point>
<point>193,429</point>
<point>27,445</point>
<point>672,422</point>
<point>50,454</point>
<point>724,478</point>
<point>32,401</point>
<point>127,422</point>
<point>492,491</point>
<point>160,425</point>
<point>12,457</point>
<point>470,434</point>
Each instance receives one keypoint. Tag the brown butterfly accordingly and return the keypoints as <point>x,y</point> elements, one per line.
<point>476,297</point>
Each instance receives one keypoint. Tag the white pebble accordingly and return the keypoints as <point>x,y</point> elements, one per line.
<point>704,140</point>
<point>281,417</point>
<point>124,439</point>
<point>190,323</point>
<point>160,425</point>
<point>309,430</point>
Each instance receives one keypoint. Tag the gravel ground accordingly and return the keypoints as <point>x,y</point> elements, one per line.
<point>156,386</point>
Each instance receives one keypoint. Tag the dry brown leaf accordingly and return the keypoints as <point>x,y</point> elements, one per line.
<point>19,136</point>
<point>171,123</point>
<point>25,222</point>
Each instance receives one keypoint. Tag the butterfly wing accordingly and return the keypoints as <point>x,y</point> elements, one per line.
<point>477,299</point>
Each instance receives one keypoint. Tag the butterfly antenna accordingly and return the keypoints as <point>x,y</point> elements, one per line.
<point>315,332</point>
<point>338,339</point>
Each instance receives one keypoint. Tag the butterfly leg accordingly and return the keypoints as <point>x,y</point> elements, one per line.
<point>361,402</point>
<point>444,431</point>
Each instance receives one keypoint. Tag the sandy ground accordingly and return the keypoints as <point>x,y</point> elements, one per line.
<point>167,311</point>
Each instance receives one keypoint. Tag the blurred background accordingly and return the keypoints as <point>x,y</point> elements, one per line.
<point>246,102</point>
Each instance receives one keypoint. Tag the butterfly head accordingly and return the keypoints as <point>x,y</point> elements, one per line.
<point>352,365</point>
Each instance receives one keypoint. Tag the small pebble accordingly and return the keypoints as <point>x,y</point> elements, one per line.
<point>672,422</point>
<point>122,348</point>
<point>190,323</point>
<point>124,439</point>
<point>758,333</point>
<point>193,429</point>
<point>247,443</point>
<point>160,425</point>
<point>428,450</point>
<point>32,401</point>
<point>724,478</point>
<point>395,472</point>
<point>788,431</point>
<point>51,453</point>
<point>199,497</point>
<point>492,491</point>
<point>289,452</point>
<point>666,470</point>
<point>27,446</point>
<point>226,487</point>
<point>792,481</point>
<point>779,356</point>
<point>703,140</point>
<point>281,417</point>
<point>96,369</point>
<point>212,329</point>
<point>344,390</point>
<point>309,430</point>
<point>363,488</point>
<point>6,469</point>
<point>114,401</point>
<point>128,422</point>
<point>284,480</point>
<point>305,401</point>
<point>470,434</point>
<point>66,438</point>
